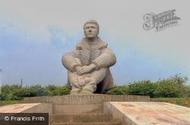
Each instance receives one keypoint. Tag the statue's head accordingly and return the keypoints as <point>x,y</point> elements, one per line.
<point>91,29</point>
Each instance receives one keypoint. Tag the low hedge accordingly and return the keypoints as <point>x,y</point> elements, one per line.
<point>170,87</point>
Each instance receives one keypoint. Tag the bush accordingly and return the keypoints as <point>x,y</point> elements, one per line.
<point>186,91</point>
<point>35,90</point>
<point>172,87</point>
<point>57,90</point>
<point>8,92</point>
<point>17,92</point>
<point>142,88</point>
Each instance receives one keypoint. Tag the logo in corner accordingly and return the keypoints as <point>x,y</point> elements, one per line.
<point>160,21</point>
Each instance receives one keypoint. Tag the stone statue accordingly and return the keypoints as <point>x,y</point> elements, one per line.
<point>88,64</point>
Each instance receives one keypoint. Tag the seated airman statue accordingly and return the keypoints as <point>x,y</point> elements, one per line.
<point>88,64</point>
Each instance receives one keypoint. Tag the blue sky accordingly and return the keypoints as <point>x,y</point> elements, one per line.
<point>34,38</point>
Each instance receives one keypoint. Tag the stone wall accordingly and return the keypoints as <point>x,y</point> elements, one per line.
<point>78,104</point>
<point>86,99</point>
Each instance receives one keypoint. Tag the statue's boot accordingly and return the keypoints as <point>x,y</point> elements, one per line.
<point>89,88</point>
<point>86,92</point>
<point>75,91</point>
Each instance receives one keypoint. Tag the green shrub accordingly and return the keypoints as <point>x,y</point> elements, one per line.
<point>142,88</point>
<point>169,88</point>
<point>57,90</point>
<point>186,91</point>
<point>17,92</point>
<point>8,92</point>
<point>37,90</point>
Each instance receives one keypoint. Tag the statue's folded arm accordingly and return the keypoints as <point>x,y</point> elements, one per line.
<point>106,59</point>
<point>68,60</point>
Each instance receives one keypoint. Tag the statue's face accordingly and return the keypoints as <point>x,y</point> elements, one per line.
<point>91,30</point>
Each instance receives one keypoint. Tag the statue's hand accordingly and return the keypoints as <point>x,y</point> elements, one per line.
<point>87,69</point>
<point>78,70</point>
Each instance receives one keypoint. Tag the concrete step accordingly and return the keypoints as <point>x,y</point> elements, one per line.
<point>97,117</point>
<point>90,123</point>
<point>77,109</point>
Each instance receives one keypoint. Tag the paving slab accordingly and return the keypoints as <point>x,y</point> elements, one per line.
<point>149,113</point>
<point>17,108</point>
<point>27,108</point>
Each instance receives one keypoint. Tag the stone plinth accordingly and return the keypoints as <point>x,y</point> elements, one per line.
<point>128,110</point>
<point>27,108</point>
<point>78,104</point>
<point>148,113</point>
